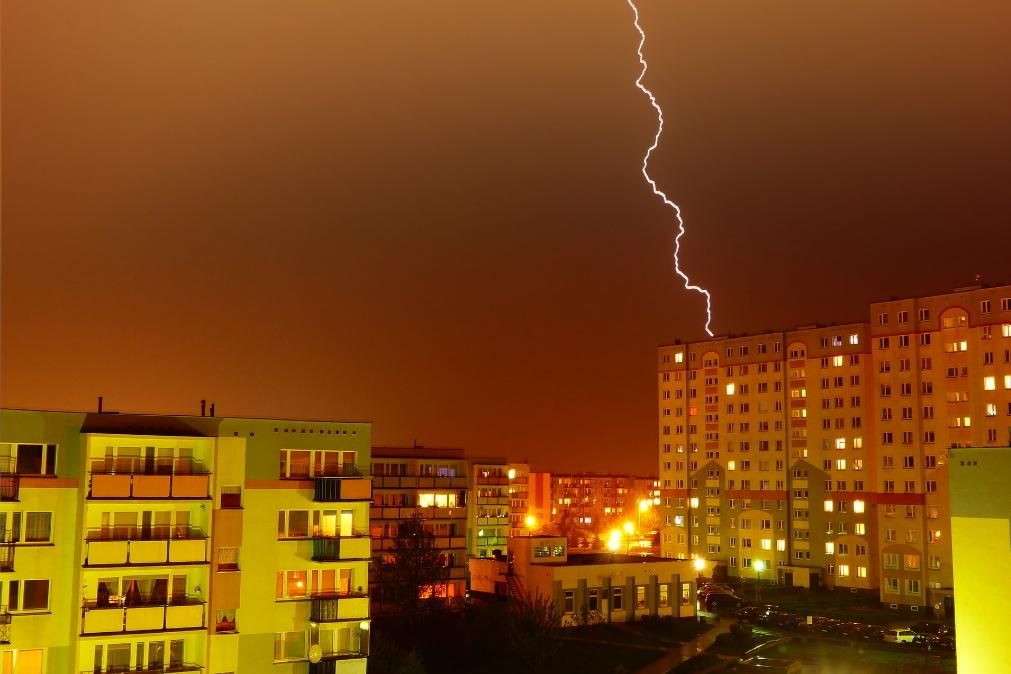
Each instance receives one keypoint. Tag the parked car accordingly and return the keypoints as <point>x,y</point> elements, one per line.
<point>871,633</point>
<point>931,628</point>
<point>899,635</point>
<point>721,600</point>
<point>849,630</point>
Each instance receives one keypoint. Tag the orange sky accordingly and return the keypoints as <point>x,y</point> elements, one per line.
<point>429,215</point>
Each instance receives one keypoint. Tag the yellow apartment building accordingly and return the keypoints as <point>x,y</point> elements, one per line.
<point>823,451</point>
<point>168,543</point>
<point>980,536</point>
<point>489,507</point>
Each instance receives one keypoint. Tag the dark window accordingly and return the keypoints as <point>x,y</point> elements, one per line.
<point>29,460</point>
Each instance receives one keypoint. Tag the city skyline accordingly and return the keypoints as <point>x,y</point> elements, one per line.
<point>326,212</point>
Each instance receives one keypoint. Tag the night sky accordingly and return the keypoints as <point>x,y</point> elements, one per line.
<point>430,214</point>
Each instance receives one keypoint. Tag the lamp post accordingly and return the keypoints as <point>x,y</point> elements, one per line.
<point>629,530</point>
<point>700,566</point>
<point>759,567</point>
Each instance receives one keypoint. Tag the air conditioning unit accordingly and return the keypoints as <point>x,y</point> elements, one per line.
<point>893,606</point>
<point>914,609</point>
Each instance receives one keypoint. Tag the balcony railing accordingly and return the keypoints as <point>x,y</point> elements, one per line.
<point>381,512</point>
<point>5,625</point>
<point>10,481</point>
<point>329,607</point>
<point>142,616</point>
<point>335,548</point>
<point>150,669</point>
<point>328,665</point>
<point>122,546</point>
<point>139,485</point>
<point>330,489</point>
<point>7,548</point>
<point>419,481</point>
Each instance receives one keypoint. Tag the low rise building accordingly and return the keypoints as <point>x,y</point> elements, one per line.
<point>589,587</point>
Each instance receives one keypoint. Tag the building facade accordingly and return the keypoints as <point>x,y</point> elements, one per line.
<point>177,564</point>
<point>591,504</point>
<point>823,451</point>
<point>981,547</point>
<point>589,587</point>
<point>489,507</point>
<point>431,484</point>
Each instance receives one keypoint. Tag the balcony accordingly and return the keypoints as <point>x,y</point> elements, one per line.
<point>419,481</point>
<point>493,521</point>
<point>10,481</point>
<point>337,548</point>
<point>485,541</point>
<point>336,607</point>
<point>151,669</point>
<point>136,546</point>
<point>182,613</point>
<point>439,542</point>
<point>5,625</point>
<point>7,548</point>
<point>493,500</point>
<point>491,479</point>
<point>328,665</point>
<point>426,513</point>
<point>135,477</point>
<point>327,489</point>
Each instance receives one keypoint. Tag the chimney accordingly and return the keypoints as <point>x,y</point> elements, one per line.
<point>203,408</point>
<point>212,409</point>
<point>99,404</point>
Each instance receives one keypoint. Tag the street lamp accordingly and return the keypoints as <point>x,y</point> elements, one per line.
<point>700,565</point>
<point>759,567</point>
<point>531,523</point>
<point>629,530</point>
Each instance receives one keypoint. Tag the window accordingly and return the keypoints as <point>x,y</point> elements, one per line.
<point>984,306</point>
<point>38,527</point>
<point>29,459</point>
<point>882,319</point>
<point>912,586</point>
<point>293,524</point>
<point>616,599</point>
<point>289,646</point>
<point>28,595</point>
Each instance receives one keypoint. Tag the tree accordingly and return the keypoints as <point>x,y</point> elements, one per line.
<point>414,569</point>
<point>534,632</point>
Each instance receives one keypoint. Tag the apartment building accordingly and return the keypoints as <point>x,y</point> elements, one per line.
<point>489,507</point>
<point>430,483</point>
<point>823,451</point>
<point>176,564</point>
<point>981,531</point>
<point>599,502</point>
<point>521,518</point>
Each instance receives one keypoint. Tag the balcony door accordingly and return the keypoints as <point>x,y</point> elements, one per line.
<point>347,523</point>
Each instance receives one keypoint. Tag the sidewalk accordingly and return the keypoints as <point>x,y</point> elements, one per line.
<point>688,649</point>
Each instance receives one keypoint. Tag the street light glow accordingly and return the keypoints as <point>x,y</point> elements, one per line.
<point>759,566</point>
<point>700,564</point>
<point>530,521</point>
<point>629,528</point>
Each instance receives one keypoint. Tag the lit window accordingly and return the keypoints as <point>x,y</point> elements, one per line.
<point>854,339</point>
<point>858,506</point>
<point>829,506</point>
<point>731,388</point>
<point>990,383</point>
<point>837,361</point>
<point>840,443</point>
<point>859,528</point>
<point>731,465</point>
<point>679,357</point>
<point>844,569</point>
<point>830,548</point>
<point>694,502</point>
<point>840,464</point>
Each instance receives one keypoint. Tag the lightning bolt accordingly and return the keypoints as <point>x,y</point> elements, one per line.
<point>652,183</point>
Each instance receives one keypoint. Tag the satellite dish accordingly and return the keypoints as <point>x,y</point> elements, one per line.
<point>315,653</point>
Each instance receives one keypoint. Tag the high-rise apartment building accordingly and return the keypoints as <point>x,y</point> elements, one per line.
<point>429,483</point>
<point>167,543</point>
<point>823,451</point>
